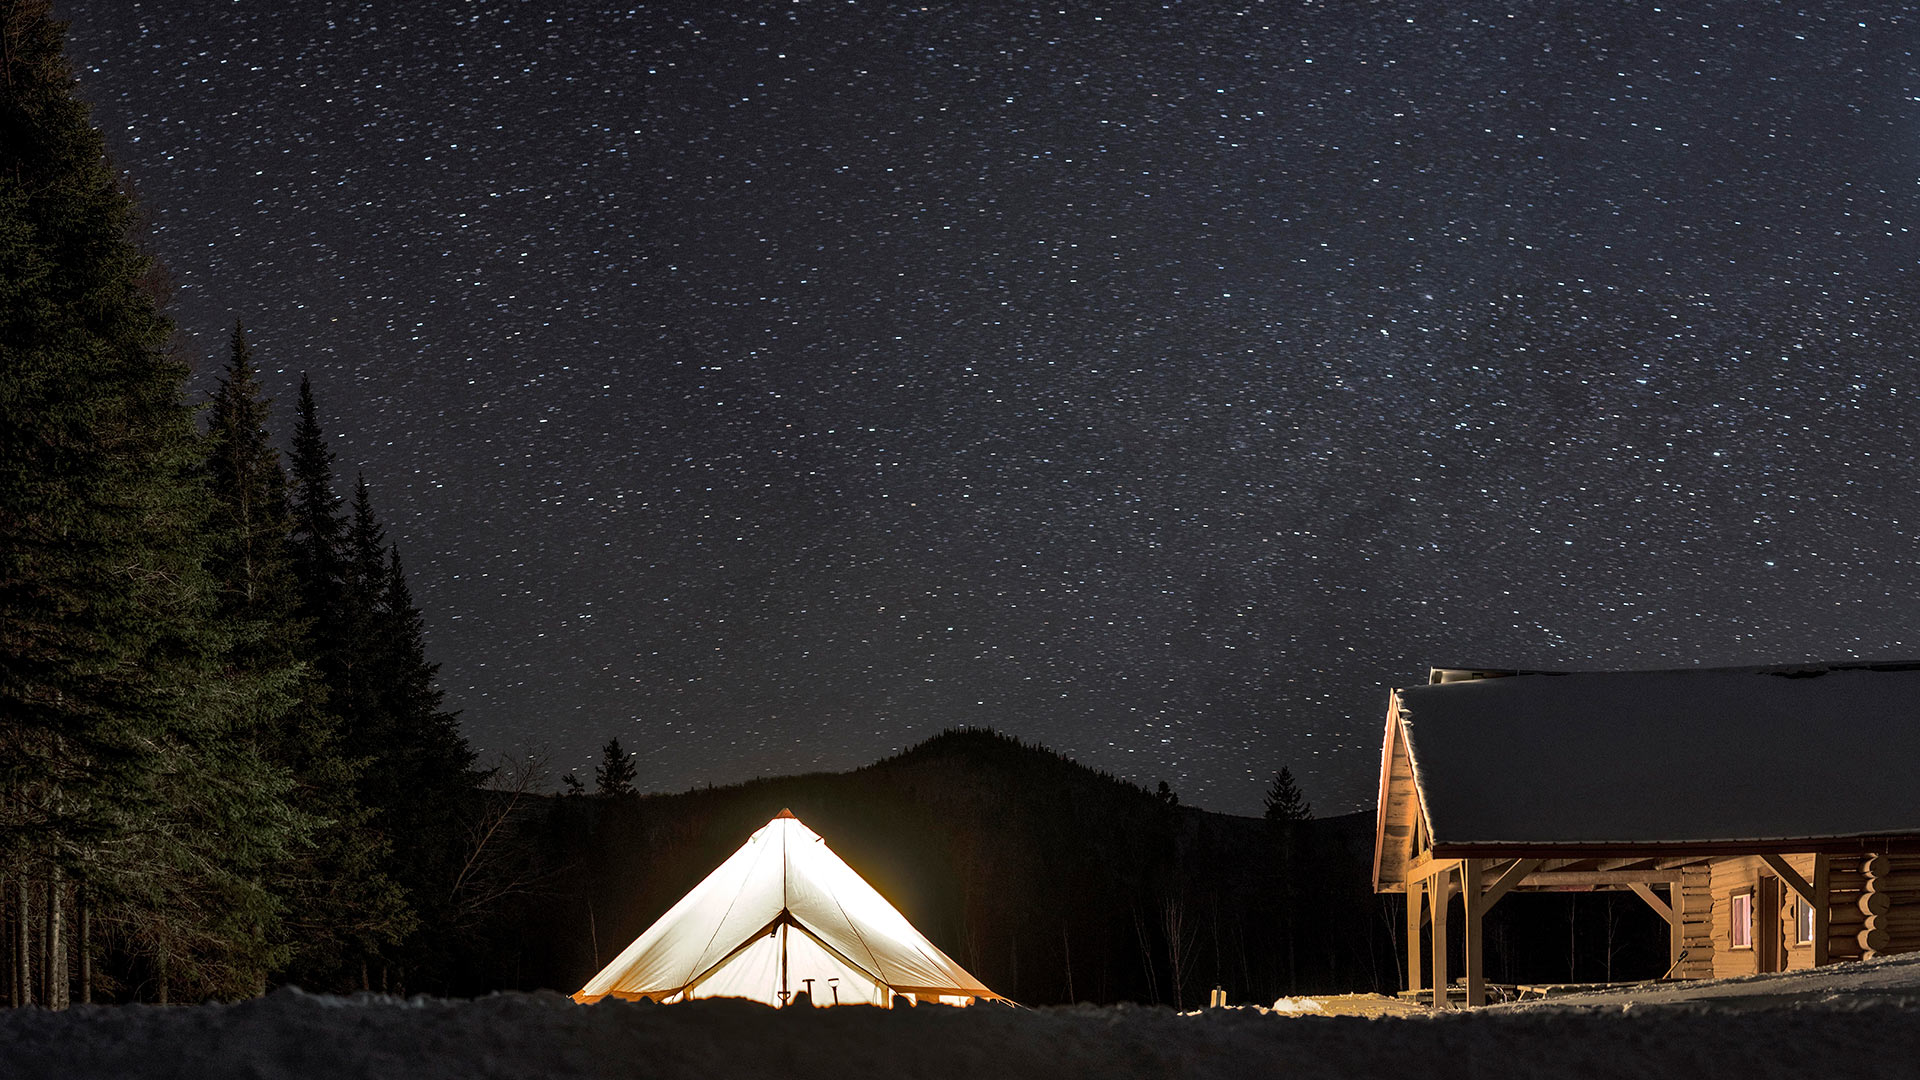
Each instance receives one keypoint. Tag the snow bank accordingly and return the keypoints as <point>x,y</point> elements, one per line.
<point>1862,1022</point>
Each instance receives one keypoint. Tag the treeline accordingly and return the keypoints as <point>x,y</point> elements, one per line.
<point>223,761</point>
<point>1050,881</point>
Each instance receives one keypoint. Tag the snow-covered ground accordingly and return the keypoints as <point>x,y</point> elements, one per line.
<point>1894,979</point>
<point>1859,1020</point>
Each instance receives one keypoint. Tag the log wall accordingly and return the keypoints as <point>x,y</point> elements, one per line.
<point>1845,920</point>
<point>1729,877</point>
<point>1874,910</point>
<point>1697,937</point>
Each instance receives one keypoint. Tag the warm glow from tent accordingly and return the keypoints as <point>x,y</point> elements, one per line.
<point>781,916</point>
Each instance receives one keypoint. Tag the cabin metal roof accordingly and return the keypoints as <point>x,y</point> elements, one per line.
<point>1483,762</point>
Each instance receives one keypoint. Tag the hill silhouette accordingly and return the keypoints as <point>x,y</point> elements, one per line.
<point>1050,881</point>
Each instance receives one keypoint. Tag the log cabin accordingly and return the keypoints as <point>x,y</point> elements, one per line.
<point>1770,815</point>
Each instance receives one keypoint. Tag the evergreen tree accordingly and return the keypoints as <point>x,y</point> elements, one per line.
<point>416,774</point>
<point>614,774</point>
<point>1166,794</point>
<point>360,621</point>
<point>436,785</point>
<point>318,529</point>
<point>1287,808</point>
<point>119,763</point>
<point>337,902</point>
<point>1284,800</point>
<point>95,456</point>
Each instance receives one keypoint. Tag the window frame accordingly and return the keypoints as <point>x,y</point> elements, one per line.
<point>1737,927</point>
<point>1802,921</point>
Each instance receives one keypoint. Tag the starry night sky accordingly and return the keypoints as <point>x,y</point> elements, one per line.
<point>774,385</point>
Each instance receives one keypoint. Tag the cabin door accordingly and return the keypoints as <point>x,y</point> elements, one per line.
<point>1768,943</point>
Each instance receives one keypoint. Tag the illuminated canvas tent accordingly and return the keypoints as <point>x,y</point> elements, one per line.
<point>782,915</point>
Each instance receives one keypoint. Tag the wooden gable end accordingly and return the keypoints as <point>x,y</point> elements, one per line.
<point>1398,824</point>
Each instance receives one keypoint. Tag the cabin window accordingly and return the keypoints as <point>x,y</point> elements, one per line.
<point>1802,922</point>
<point>1741,912</point>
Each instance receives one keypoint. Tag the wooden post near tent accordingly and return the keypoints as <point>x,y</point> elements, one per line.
<point>1441,885</point>
<point>1476,901</point>
<point>1416,922</point>
<point>1677,926</point>
<point>1822,909</point>
<point>1472,908</point>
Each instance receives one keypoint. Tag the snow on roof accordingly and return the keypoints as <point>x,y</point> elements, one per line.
<point>1671,757</point>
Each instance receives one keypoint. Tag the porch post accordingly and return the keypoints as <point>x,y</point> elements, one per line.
<point>1822,909</point>
<point>1440,884</point>
<point>1470,870</point>
<point>1677,930</point>
<point>1416,921</point>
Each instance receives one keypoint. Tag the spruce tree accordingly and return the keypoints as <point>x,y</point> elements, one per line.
<point>318,528</point>
<point>1284,800</point>
<point>337,902</point>
<point>416,776</point>
<point>118,766</point>
<point>360,628</point>
<point>436,785</point>
<point>1286,809</point>
<point>96,449</point>
<point>614,775</point>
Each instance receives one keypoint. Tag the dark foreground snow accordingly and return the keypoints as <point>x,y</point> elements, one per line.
<point>1864,1022</point>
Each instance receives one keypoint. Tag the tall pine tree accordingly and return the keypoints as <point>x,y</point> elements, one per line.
<point>614,775</point>
<point>318,529</point>
<point>118,765</point>
<point>1285,801</point>
<point>416,770</point>
<point>338,903</point>
<point>440,786</point>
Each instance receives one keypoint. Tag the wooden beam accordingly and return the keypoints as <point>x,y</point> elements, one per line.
<point>1600,877</point>
<point>1473,903</point>
<point>1512,876</point>
<point>1822,909</point>
<point>1438,884</point>
<point>1416,919</point>
<point>1427,866</point>
<point>1653,900</point>
<point>1677,930</point>
<point>1791,876</point>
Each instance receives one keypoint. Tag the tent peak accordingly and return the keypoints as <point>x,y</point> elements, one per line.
<point>784,813</point>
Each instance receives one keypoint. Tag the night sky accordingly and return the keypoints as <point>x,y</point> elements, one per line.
<point>775,385</point>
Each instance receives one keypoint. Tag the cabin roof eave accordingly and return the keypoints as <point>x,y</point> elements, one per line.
<point>1669,849</point>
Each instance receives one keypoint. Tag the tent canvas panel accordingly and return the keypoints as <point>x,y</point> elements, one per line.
<point>830,899</point>
<point>668,956</point>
